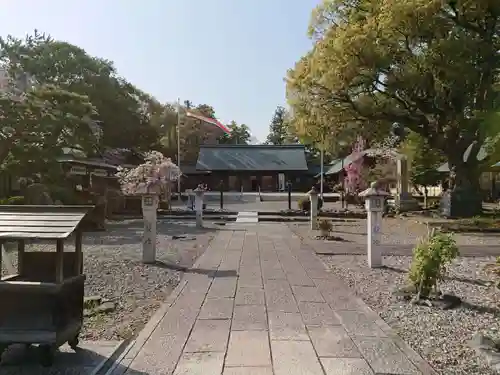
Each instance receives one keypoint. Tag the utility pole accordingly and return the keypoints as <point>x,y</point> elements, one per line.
<point>179,146</point>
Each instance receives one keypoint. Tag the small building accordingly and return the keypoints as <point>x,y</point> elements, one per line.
<point>96,175</point>
<point>264,168</point>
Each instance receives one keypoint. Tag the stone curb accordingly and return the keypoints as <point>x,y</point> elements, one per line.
<point>283,219</point>
<point>191,217</point>
<point>135,346</point>
<point>421,364</point>
<point>117,349</point>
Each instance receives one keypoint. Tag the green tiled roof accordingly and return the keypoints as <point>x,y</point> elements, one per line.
<point>252,158</point>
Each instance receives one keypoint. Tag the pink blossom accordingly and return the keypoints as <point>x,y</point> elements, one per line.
<point>151,177</point>
<point>354,181</point>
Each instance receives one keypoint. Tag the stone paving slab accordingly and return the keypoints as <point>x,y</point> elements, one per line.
<point>249,318</point>
<point>208,336</point>
<point>248,371</point>
<point>333,341</point>
<point>295,357</point>
<point>303,321</point>
<point>250,296</point>
<point>200,364</point>
<point>248,348</point>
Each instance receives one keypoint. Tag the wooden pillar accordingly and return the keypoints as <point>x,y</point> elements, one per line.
<point>78,253</point>
<point>20,257</point>
<point>59,261</point>
<point>1,251</point>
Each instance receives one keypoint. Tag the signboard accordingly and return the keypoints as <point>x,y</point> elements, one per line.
<point>281,181</point>
<point>374,204</point>
<point>75,170</point>
<point>148,201</point>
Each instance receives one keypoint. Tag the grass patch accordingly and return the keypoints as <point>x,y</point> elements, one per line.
<point>487,223</point>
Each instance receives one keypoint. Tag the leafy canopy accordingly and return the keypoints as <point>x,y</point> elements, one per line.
<point>240,134</point>
<point>429,65</point>
<point>38,125</point>
<point>123,110</point>
<point>424,160</point>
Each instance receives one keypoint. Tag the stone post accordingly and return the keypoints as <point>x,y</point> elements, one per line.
<point>404,200</point>
<point>402,171</point>
<point>313,196</point>
<point>374,204</point>
<point>149,207</point>
<point>198,206</point>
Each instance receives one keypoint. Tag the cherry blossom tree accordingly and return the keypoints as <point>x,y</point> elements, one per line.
<point>154,176</point>
<point>355,178</point>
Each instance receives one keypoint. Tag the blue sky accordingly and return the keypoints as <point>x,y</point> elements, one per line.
<point>231,54</point>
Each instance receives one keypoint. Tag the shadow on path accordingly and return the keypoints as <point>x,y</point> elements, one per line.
<point>131,231</point>
<point>22,360</point>
<point>211,273</point>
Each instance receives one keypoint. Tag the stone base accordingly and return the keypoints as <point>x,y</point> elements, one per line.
<point>199,220</point>
<point>461,203</point>
<point>405,202</point>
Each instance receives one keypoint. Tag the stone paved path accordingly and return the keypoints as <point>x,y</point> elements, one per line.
<point>257,303</point>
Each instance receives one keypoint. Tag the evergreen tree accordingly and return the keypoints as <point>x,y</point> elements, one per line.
<point>278,130</point>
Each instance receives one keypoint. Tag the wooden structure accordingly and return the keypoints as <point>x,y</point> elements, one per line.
<point>251,167</point>
<point>43,303</point>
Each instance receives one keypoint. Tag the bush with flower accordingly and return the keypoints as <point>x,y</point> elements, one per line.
<point>154,176</point>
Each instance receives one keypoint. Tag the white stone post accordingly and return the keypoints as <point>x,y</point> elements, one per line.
<point>198,206</point>
<point>149,207</point>
<point>313,196</point>
<point>374,204</point>
<point>404,200</point>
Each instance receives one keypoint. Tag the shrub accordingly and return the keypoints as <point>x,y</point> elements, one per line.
<point>65,194</point>
<point>354,199</point>
<point>164,205</point>
<point>304,203</point>
<point>430,258</point>
<point>325,226</point>
<point>16,200</point>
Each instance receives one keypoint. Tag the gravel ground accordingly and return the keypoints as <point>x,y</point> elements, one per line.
<point>396,231</point>
<point>112,264</point>
<point>439,336</point>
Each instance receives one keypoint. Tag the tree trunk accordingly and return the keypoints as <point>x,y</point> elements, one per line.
<point>465,191</point>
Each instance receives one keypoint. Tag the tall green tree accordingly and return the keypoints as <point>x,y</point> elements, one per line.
<point>165,123</point>
<point>429,65</point>
<point>194,132</point>
<point>424,160</point>
<point>123,110</point>
<point>240,134</point>
<point>278,129</point>
<point>38,125</point>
